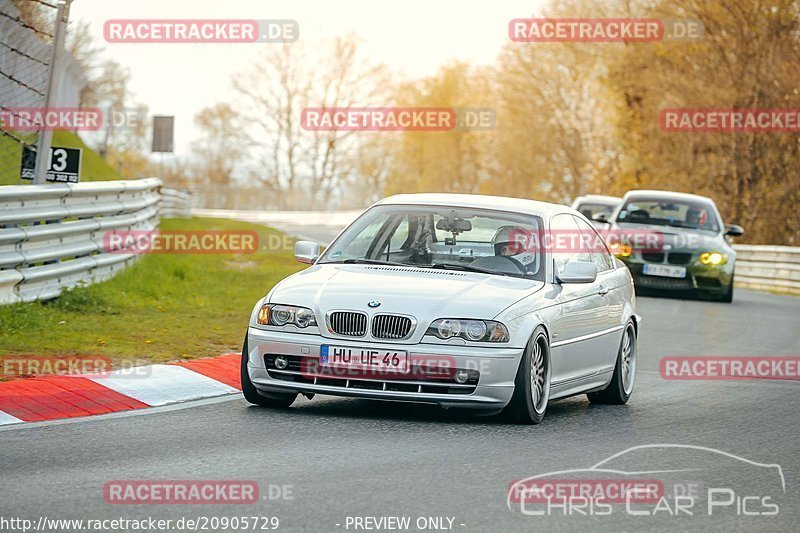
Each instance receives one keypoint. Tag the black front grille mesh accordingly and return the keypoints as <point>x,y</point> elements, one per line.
<point>679,258</point>
<point>390,326</point>
<point>348,323</point>
<point>653,257</point>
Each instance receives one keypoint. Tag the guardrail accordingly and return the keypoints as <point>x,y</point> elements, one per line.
<point>51,236</point>
<point>770,268</point>
<point>175,203</point>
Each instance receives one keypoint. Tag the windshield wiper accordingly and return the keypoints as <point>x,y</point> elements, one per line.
<point>470,268</point>
<point>358,261</point>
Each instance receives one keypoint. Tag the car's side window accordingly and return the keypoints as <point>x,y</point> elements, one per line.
<point>400,235</point>
<point>596,246</point>
<point>565,241</point>
<point>358,247</point>
<point>372,239</point>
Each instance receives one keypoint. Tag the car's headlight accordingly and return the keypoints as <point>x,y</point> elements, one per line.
<point>713,258</point>
<point>280,315</point>
<point>620,250</point>
<point>471,330</point>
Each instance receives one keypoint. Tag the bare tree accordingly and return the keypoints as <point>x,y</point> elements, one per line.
<point>220,151</point>
<point>303,167</point>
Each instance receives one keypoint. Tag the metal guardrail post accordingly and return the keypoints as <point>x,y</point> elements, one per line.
<point>51,96</point>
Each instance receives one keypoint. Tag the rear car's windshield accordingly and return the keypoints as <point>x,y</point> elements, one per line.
<point>453,238</point>
<point>589,209</point>
<point>680,214</point>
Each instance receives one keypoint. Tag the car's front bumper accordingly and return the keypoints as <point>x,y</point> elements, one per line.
<point>493,390</point>
<point>699,278</point>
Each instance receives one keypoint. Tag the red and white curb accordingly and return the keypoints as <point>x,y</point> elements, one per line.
<point>53,397</point>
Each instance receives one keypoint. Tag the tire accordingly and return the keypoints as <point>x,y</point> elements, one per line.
<point>728,296</point>
<point>252,395</point>
<point>621,387</point>
<point>529,402</point>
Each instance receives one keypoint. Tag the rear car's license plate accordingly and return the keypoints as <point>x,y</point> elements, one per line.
<point>363,358</point>
<point>664,270</point>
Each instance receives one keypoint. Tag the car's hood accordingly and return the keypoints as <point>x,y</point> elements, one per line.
<point>423,293</point>
<point>677,238</point>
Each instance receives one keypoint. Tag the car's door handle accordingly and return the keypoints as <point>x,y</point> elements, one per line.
<point>603,291</point>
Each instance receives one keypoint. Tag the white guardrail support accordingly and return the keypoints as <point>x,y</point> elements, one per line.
<point>769,268</point>
<point>51,236</point>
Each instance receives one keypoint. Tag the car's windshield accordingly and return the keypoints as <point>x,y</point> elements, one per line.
<point>444,237</point>
<point>674,213</point>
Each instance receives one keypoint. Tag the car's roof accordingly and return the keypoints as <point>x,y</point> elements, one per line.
<point>598,198</point>
<point>667,195</point>
<point>478,201</point>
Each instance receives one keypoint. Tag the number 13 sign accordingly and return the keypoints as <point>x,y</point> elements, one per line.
<point>64,164</point>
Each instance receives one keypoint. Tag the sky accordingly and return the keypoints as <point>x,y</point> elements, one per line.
<point>413,37</point>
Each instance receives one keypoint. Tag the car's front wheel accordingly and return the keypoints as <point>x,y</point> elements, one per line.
<point>728,296</point>
<point>621,387</point>
<point>252,395</point>
<point>532,383</point>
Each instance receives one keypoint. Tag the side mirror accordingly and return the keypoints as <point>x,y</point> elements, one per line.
<point>578,272</point>
<point>733,230</point>
<point>306,251</point>
<point>602,216</point>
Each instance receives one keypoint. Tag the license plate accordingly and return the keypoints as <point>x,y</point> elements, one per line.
<point>363,358</point>
<point>665,270</point>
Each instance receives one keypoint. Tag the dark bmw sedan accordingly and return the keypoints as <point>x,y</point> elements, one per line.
<point>686,246</point>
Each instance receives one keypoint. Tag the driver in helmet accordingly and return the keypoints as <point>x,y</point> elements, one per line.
<point>509,241</point>
<point>696,217</point>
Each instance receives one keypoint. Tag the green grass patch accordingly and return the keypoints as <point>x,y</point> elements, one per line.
<point>93,167</point>
<point>164,307</point>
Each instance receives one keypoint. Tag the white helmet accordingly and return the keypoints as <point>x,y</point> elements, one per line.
<point>510,236</point>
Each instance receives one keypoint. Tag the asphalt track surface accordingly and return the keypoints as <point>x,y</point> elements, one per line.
<point>348,458</point>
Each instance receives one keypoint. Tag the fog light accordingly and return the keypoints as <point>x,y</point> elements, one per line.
<point>461,376</point>
<point>281,362</point>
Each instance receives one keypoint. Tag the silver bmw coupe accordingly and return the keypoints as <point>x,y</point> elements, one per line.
<point>497,304</point>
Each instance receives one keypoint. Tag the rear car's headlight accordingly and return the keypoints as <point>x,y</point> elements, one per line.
<point>469,329</point>
<point>620,250</point>
<point>713,258</point>
<point>280,315</point>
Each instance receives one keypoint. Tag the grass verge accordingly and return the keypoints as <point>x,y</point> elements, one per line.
<point>93,167</point>
<point>164,307</point>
